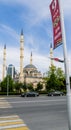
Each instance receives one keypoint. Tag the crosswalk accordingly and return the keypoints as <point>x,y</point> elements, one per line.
<point>4,103</point>
<point>12,122</point>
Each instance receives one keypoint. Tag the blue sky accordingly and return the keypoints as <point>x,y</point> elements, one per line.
<point>35,19</point>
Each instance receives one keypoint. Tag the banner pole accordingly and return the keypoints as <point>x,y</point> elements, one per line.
<point>66,66</point>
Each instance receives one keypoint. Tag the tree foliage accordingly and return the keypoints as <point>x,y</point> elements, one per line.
<point>18,86</point>
<point>56,79</point>
<point>7,82</point>
<point>30,87</point>
<point>39,87</point>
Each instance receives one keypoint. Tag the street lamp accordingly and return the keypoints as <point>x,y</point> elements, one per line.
<point>7,85</point>
<point>7,81</point>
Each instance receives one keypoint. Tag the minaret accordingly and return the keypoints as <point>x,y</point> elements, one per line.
<point>51,54</point>
<point>31,59</point>
<point>4,63</point>
<point>21,78</point>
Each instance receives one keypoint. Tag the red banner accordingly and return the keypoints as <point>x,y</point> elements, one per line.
<point>57,32</point>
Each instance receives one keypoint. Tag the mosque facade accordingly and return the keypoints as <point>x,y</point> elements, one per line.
<point>32,75</point>
<point>28,74</point>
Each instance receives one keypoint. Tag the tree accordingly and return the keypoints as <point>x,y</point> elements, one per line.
<point>55,79</point>
<point>39,87</point>
<point>30,87</point>
<point>18,86</point>
<point>7,82</point>
<point>25,86</point>
<point>60,78</point>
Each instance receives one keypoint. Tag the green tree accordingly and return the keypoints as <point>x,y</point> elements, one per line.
<point>25,87</point>
<point>55,79</point>
<point>18,86</point>
<point>30,87</point>
<point>39,87</point>
<point>60,79</point>
<point>7,82</point>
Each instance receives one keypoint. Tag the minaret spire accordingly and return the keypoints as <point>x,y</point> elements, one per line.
<point>21,78</point>
<point>31,58</point>
<point>21,31</point>
<point>5,46</point>
<point>4,63</point>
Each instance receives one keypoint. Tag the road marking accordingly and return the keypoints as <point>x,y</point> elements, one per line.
<point>37,101</point>
<point>11,117</point>
<point>4,103</point>
<point>5,121</point>
<point>12,123</point>
<point>12,126</point>
<point>21,128</point>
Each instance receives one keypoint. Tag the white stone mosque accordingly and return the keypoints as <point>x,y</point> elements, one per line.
<point>29,73</point>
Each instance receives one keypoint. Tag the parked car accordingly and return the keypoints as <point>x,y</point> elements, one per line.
<point>30,94</point>
<point>23,94</point>
<point>55,93</point>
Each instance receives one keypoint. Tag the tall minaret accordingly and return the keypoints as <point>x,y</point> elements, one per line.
<point>21,78</point>
<point>4,63</point>
<point>51,54</point>
<point>31,58</point>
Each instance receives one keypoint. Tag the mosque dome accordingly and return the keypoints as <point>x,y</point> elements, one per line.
<point>30,66</point>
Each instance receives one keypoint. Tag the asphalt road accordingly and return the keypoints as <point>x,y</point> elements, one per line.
<point>39,113</point>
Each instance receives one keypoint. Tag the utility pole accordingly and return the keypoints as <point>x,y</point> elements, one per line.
<point>7,85</point>
<point>7,81</point>
<point>66,68</point>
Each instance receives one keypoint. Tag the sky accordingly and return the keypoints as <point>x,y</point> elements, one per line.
<point>34,17</point>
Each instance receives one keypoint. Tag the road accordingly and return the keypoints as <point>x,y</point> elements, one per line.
<point>35,113</point>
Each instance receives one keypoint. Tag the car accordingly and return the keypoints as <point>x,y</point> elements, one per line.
<point>23,94</point>
<point>55,93</point>
<point>30,94</point>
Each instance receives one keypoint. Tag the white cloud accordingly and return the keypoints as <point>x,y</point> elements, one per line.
<point>9,31</point>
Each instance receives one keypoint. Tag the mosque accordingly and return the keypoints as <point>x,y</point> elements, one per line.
<point>29,73</point>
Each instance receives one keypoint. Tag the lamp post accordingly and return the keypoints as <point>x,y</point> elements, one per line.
<point>7,85</point>
<point>7,81</point>
<point>66,68</point>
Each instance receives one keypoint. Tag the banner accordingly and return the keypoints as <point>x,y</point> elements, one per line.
<point>57,32</point>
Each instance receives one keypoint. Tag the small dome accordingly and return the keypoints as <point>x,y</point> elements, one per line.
<point>30,66</point>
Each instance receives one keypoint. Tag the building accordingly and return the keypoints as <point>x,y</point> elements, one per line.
<point>11,71</point>
<point>32,75</point>
<point>29,73</point>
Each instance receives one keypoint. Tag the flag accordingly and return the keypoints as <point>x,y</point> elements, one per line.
<point>57,59</point>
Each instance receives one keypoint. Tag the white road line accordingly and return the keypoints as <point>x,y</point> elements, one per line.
<point>12,126</point>
<point>5,104</point>
<point>12,116</point>
<point>1,98</point>
<point>36,101</point>
<point>10,121</point>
